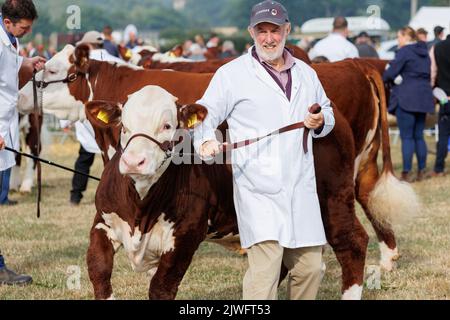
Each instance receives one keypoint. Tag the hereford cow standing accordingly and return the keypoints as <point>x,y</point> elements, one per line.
<point>355,93</point>
<point>157,211</point>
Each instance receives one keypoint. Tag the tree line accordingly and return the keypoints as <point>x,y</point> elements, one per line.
<point>159,15</point>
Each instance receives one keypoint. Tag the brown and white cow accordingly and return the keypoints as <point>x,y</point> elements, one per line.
<point>157,211</point>
<point>208,66</point>
<point>357,92</point>
<point>29,128</point>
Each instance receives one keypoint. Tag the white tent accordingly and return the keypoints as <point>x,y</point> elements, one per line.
<point>374,26</point>
<point>430,17</point>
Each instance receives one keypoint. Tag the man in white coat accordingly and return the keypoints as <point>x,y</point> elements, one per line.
<point>16,21</point>
<point>335,47</point>
<point>275,193</point>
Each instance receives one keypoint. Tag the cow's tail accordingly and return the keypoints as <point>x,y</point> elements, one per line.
<point>392,201</point>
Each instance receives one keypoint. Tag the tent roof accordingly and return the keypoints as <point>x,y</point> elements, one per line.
<point>430,17</point>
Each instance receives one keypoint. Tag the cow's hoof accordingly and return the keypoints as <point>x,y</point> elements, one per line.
<point>242,252</point>
<point>388,257</point>
<point>353,293</point>
<point>26,187</point>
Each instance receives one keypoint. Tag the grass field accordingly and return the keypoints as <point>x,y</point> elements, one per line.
<point>48,247</point>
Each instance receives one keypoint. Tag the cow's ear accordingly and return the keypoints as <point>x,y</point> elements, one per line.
<point>104,114</point>
<point>191,115</point>
<point>81,58</point>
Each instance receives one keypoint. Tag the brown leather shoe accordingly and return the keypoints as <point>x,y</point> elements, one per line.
<point>407,177</point>
<point>438,174</point>
<point>423,175</point>
<point>11,278</point>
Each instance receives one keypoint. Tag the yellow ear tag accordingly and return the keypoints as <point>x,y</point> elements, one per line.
<point>103,116</point>
<point>192,121</point>
<point>128,54</point>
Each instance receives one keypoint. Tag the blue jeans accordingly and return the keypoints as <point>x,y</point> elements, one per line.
<point>412,125</point>
<point>4,185</point>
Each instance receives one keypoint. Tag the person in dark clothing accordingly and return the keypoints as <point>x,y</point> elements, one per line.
<point>79,182</point>
<point>441,56</point>
<point>108,43</point>
<point>411,98</point>
<point>365,46</point>
<point>438,37</point>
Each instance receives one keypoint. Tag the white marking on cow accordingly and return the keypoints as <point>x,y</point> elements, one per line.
<point>388,256</point>
<point>143,251</point>
<point>14,180</point>
<point>91,91</point>
<point>364,155</point>
<point>361,159</point>
<point>28,181</point>
<point>143,185</point>
<point>111,152</point>
<point>147,111</point>
<point>353,293</point>
<point>111,298</point>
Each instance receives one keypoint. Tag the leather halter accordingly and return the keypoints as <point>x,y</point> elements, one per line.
<point>166,146</point>
<point>72,77</point>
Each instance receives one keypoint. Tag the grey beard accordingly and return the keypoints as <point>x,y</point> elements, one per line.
<point>267,56</point>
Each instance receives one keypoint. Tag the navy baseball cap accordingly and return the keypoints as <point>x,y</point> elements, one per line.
<point>269,11</point>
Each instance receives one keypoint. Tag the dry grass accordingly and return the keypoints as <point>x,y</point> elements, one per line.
<point>45,248</point>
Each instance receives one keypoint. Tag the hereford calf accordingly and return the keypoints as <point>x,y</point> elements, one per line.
<point>157,211</point>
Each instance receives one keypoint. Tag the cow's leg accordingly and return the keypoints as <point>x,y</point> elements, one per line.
<point>173,266</point>
<point>365,183</point>
<point>348,239</point>
<point>28,178</point>
<point>14,182</point>
<point>100,259</point>
<point>334,161</point>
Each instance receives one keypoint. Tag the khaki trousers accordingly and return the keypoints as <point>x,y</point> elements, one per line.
<point>261,279</point>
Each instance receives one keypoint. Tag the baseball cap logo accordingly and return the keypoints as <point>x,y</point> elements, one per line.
<point>274,12</point>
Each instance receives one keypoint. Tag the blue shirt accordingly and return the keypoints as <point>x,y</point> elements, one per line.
<point>10,36</point>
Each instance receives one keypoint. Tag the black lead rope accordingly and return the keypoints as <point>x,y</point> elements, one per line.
<point>37,113</point>
<point>51,163</point>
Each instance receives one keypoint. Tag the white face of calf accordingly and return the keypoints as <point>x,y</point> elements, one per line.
<point>56,97</point>
<point>151,111</point>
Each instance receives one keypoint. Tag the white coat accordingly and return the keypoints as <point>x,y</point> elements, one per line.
<point>10,63</point>
<point>274,181</point>
<point>335,47</point>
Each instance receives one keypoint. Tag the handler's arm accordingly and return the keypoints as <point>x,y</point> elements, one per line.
<point>218,100</point>
<point>327,110</point>
<point>395,67</point>
<point>27,67</point>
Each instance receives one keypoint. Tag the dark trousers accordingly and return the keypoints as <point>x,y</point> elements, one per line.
<point>4,185</point>
<point>442,145</point>
<point>412,125</point>
<point>79,182</point>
